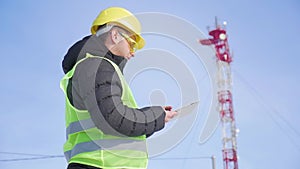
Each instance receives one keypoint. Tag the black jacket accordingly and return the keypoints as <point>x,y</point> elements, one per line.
<point>96,87</point>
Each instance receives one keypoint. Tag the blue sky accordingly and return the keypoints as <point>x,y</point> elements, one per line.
<point>35,35</point>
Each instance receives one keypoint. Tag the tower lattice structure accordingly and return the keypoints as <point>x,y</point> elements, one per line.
<point>225,105</point>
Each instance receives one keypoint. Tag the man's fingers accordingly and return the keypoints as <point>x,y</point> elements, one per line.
<point>170,115</point>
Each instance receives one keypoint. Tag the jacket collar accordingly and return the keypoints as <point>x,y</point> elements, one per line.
<point>93,45</point>
<point>96,47</point>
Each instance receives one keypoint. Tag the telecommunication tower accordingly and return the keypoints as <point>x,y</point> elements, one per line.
<point>219,40</point>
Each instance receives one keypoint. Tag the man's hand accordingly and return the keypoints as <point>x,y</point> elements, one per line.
<point>169,113</point>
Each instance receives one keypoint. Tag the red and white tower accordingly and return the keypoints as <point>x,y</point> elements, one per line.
<point>225,106</point>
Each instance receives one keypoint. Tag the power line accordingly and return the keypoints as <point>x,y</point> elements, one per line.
<point>32,158</point>
<point>272,109</point>
<point>45,156</point>
<point>24,154</point>
<point>37,156</point>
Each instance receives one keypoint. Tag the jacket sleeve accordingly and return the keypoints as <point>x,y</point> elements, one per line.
<point>110,115</point>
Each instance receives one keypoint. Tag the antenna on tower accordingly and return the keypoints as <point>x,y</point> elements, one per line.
<point>216,22</point>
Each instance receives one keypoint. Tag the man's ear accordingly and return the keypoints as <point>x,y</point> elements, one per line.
<point>114,35</point>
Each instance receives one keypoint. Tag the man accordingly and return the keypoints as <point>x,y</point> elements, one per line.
<point>105,128</point>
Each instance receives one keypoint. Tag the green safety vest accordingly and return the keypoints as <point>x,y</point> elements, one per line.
<point>86,144</point>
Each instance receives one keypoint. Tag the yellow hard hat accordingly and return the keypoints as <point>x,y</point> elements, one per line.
<point>122,17</point>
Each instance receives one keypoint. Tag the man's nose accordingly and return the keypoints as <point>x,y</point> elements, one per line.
<point>131,54</point>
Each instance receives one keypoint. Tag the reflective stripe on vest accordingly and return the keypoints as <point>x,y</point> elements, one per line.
<point>86,144</point>
<point>80,125</point>
<point>137,145</point>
